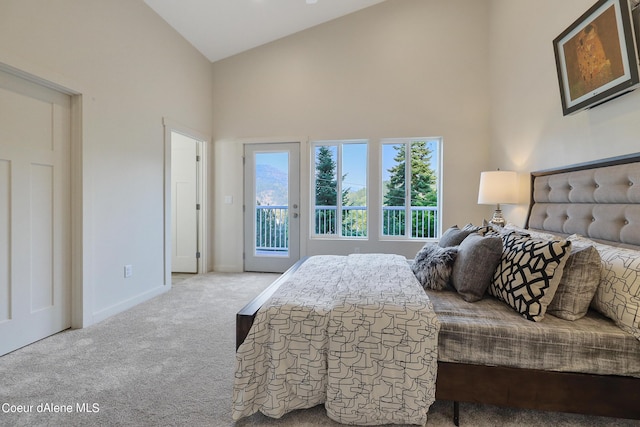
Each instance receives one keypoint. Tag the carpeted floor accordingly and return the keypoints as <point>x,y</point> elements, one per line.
<point>170,362</point>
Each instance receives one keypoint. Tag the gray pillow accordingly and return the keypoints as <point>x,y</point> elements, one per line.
<point>432,266</point>
<point>579,283</point>
<point>475,264</point>
<point>454,235</point>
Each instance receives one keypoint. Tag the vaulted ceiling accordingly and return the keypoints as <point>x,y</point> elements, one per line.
<point>222,28</point>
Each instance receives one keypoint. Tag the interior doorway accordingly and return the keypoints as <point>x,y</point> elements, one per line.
<point>185,205</point>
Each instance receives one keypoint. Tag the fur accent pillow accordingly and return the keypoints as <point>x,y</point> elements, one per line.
<point>432,266</point>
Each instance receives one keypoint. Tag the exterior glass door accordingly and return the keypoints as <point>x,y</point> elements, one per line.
<point>271,209</point>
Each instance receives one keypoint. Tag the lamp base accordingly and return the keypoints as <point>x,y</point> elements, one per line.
<point>498,219</point>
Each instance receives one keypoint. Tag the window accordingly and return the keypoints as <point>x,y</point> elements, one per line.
<point>340,188</point>
<point>410,196</point>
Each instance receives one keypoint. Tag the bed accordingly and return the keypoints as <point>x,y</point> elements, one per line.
<point>598,202</point>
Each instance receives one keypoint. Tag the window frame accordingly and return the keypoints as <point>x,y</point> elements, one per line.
<point>407,236</point>
<point>339,143</point>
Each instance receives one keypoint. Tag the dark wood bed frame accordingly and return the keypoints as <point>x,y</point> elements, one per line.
<point>601,395</point>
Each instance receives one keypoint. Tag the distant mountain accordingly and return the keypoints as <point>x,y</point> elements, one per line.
<point>271,185</point>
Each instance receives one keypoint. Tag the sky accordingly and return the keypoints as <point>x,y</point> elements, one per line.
<point>279,160</point>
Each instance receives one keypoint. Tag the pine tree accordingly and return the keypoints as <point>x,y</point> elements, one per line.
<point>396,188</point>
<point>423,178</point>
<point>326,191</point>
<point>326,183</point>
<point>423,188</point>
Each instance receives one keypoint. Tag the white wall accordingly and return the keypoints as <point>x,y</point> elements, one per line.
<point>529,131</point>
<point>409,68</point>
<point>132,70</point>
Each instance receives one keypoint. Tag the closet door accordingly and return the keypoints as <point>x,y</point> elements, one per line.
<point>185,205</point>
<point>35,236</point>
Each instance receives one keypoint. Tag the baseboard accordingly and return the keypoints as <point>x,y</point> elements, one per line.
<point>229,268</point>
<point>105,313</point>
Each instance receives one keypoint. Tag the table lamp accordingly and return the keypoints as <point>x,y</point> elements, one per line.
<point>498,187</point>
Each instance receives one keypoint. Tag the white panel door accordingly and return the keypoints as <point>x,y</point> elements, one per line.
<point>184,200</point>
<point>271,206</point>
<point>35,236</point>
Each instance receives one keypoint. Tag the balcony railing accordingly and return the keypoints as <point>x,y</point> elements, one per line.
<point>272,224</point>
<point>354,221</point>
<point>424,220</point>
<point>272,229</point>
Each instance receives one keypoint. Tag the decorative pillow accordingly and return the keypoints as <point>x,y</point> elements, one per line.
<point>618,294</point>
<point>432,266</point>
<point>529,273</point>
<point>475,263</point>
<point>533,233</point>
<point>578,284</point>
<point>492,227</point>
<point>454,235</point>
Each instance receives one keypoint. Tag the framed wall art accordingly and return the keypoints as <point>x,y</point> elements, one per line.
<point>597,57</point>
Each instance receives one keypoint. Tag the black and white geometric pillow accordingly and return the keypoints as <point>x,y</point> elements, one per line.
<point>529,272</point>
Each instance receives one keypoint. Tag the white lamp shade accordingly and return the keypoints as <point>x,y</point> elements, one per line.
<point>497,187</point>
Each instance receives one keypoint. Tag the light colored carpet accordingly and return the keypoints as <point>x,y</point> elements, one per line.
<point>170,362</point>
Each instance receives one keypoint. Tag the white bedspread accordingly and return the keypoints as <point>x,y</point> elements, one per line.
<point>357,333</point>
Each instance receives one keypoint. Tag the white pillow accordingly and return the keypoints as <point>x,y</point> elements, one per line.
<point>618,294</point>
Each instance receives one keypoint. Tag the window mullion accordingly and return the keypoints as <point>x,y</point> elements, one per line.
<point>339,190</point>
<point>408,223</point>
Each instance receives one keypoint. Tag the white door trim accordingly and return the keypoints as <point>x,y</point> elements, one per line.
<point>169,126</point>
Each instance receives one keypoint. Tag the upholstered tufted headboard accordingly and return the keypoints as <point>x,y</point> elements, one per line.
<point>599,200</point>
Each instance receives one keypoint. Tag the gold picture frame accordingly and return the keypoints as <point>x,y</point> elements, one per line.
<point>596,57</point>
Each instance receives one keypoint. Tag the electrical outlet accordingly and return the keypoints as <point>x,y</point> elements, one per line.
<point>128,271</point>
